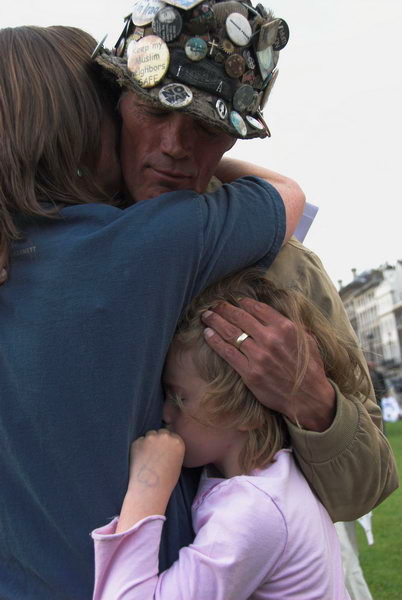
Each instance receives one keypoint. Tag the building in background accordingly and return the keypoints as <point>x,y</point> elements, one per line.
<point>373,302</point>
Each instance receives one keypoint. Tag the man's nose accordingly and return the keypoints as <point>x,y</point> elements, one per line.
<point>177,136</point>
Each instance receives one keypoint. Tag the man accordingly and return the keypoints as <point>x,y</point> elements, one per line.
<point>196,76</point>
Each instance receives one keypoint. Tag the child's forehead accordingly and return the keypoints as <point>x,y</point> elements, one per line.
<point>181,359</point>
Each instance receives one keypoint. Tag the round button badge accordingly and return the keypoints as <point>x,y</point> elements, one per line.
<point>167,23</point>
<point>175,95</point>
<point>144,11</point>
<point>282,36</point>
<point>196,49</point>
<point>221,109</point>
<point>238,29</point>
<point>149,60</point>
<point>238,123</point>
<point>254,123</point>
<point>235,65</point>
<point>243,97</point>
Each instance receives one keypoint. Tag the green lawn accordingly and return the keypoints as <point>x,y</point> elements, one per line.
<point>382,562</point>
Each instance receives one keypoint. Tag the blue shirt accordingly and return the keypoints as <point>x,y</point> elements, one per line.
<point>86,319</point>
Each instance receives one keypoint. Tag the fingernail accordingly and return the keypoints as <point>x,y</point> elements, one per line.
<point>206,314</point>
<point>208,332</point>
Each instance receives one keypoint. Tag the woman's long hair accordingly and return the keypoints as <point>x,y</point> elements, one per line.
<point>50,123</point>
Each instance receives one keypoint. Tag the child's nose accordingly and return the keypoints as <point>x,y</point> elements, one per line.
<point>167,412</point>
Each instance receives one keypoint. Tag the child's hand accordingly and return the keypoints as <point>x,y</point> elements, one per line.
<point>156,460</point>
<point>155,464</point>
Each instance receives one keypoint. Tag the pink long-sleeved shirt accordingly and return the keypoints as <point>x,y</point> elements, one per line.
<point>261,536</point>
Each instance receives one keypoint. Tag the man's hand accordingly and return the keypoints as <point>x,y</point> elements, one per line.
<point>267,361</point>
<point>155,464</point>
<point>3,276</point>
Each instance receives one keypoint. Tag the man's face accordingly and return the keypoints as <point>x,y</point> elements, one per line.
<point>162,150</point>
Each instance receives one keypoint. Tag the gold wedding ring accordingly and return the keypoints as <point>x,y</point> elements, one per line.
<point>243,336</point>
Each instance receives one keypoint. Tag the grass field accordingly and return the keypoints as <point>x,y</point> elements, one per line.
<point>382,562</point>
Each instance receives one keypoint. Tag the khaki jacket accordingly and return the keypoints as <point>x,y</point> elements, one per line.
<point>350,466</point>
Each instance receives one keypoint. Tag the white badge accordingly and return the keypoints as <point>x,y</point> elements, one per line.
<point>145,10</point>
<point>238,29</point>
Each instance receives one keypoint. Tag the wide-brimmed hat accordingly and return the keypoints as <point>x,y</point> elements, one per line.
<point>216,61</point>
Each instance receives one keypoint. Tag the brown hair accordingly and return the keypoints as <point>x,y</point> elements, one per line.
<point>50,122</point>
<point>228,402</point>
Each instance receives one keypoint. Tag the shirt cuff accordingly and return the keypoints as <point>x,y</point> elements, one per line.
<point>109,531</point>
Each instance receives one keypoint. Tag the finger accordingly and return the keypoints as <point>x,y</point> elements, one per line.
<point>236,359</point>
<point>237,317</point>
<point>230,333</point>
<point>3,276</point>
<point>262,312</point>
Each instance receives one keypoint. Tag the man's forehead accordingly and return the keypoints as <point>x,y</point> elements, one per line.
<point>139,101</point>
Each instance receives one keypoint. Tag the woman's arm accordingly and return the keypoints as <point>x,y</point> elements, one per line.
<point>292,195</point>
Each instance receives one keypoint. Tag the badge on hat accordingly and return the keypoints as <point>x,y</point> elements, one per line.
<point>265,61</point>
<point>144,11</point>
<point>243,98</point>
<point>283,35</point>
<point>175,95</point>
<point>183,4</point>
<point>238,123</point>
<point>167,23</point>
<point>221,109</point>
<point>196,49</point>
<point>149,61</point>
<point>238,29</point>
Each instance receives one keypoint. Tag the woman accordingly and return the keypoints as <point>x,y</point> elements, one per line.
<point>90,307</point>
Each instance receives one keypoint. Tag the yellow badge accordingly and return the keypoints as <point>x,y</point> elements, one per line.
<point>149,60</point>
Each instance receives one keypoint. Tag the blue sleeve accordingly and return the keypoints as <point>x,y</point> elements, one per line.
<point>198,239</point>
<point>243,224</point>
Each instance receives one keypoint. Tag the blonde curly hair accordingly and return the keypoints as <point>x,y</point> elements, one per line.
<point>228,402</point>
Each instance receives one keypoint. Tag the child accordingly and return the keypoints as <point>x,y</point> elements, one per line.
<point>260,531</point>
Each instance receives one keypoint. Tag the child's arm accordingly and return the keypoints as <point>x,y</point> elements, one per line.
<point>241,536</point>
<point>155,463</point>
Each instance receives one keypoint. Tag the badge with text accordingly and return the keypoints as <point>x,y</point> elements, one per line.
<point>175,95</point>
<point>149,61</point>
<point>283,35</point>
<point>145,10</point>
<point>167,23</point>
<point>184,4</point>
<point>238,29</point>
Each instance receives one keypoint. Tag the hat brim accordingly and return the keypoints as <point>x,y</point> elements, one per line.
<point>202,107</point>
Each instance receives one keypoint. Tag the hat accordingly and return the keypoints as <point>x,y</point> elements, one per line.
<point>215,61</point>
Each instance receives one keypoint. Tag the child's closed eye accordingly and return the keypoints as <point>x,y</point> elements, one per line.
<point>175,398</point>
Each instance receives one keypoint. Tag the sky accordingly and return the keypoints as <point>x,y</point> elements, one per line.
<point>334,114</point>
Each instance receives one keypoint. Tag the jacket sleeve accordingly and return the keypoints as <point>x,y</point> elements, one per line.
<point>350,466</point>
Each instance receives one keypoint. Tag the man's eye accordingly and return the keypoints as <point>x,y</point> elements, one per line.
<point>209,130</point>
<point>154,112</point>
